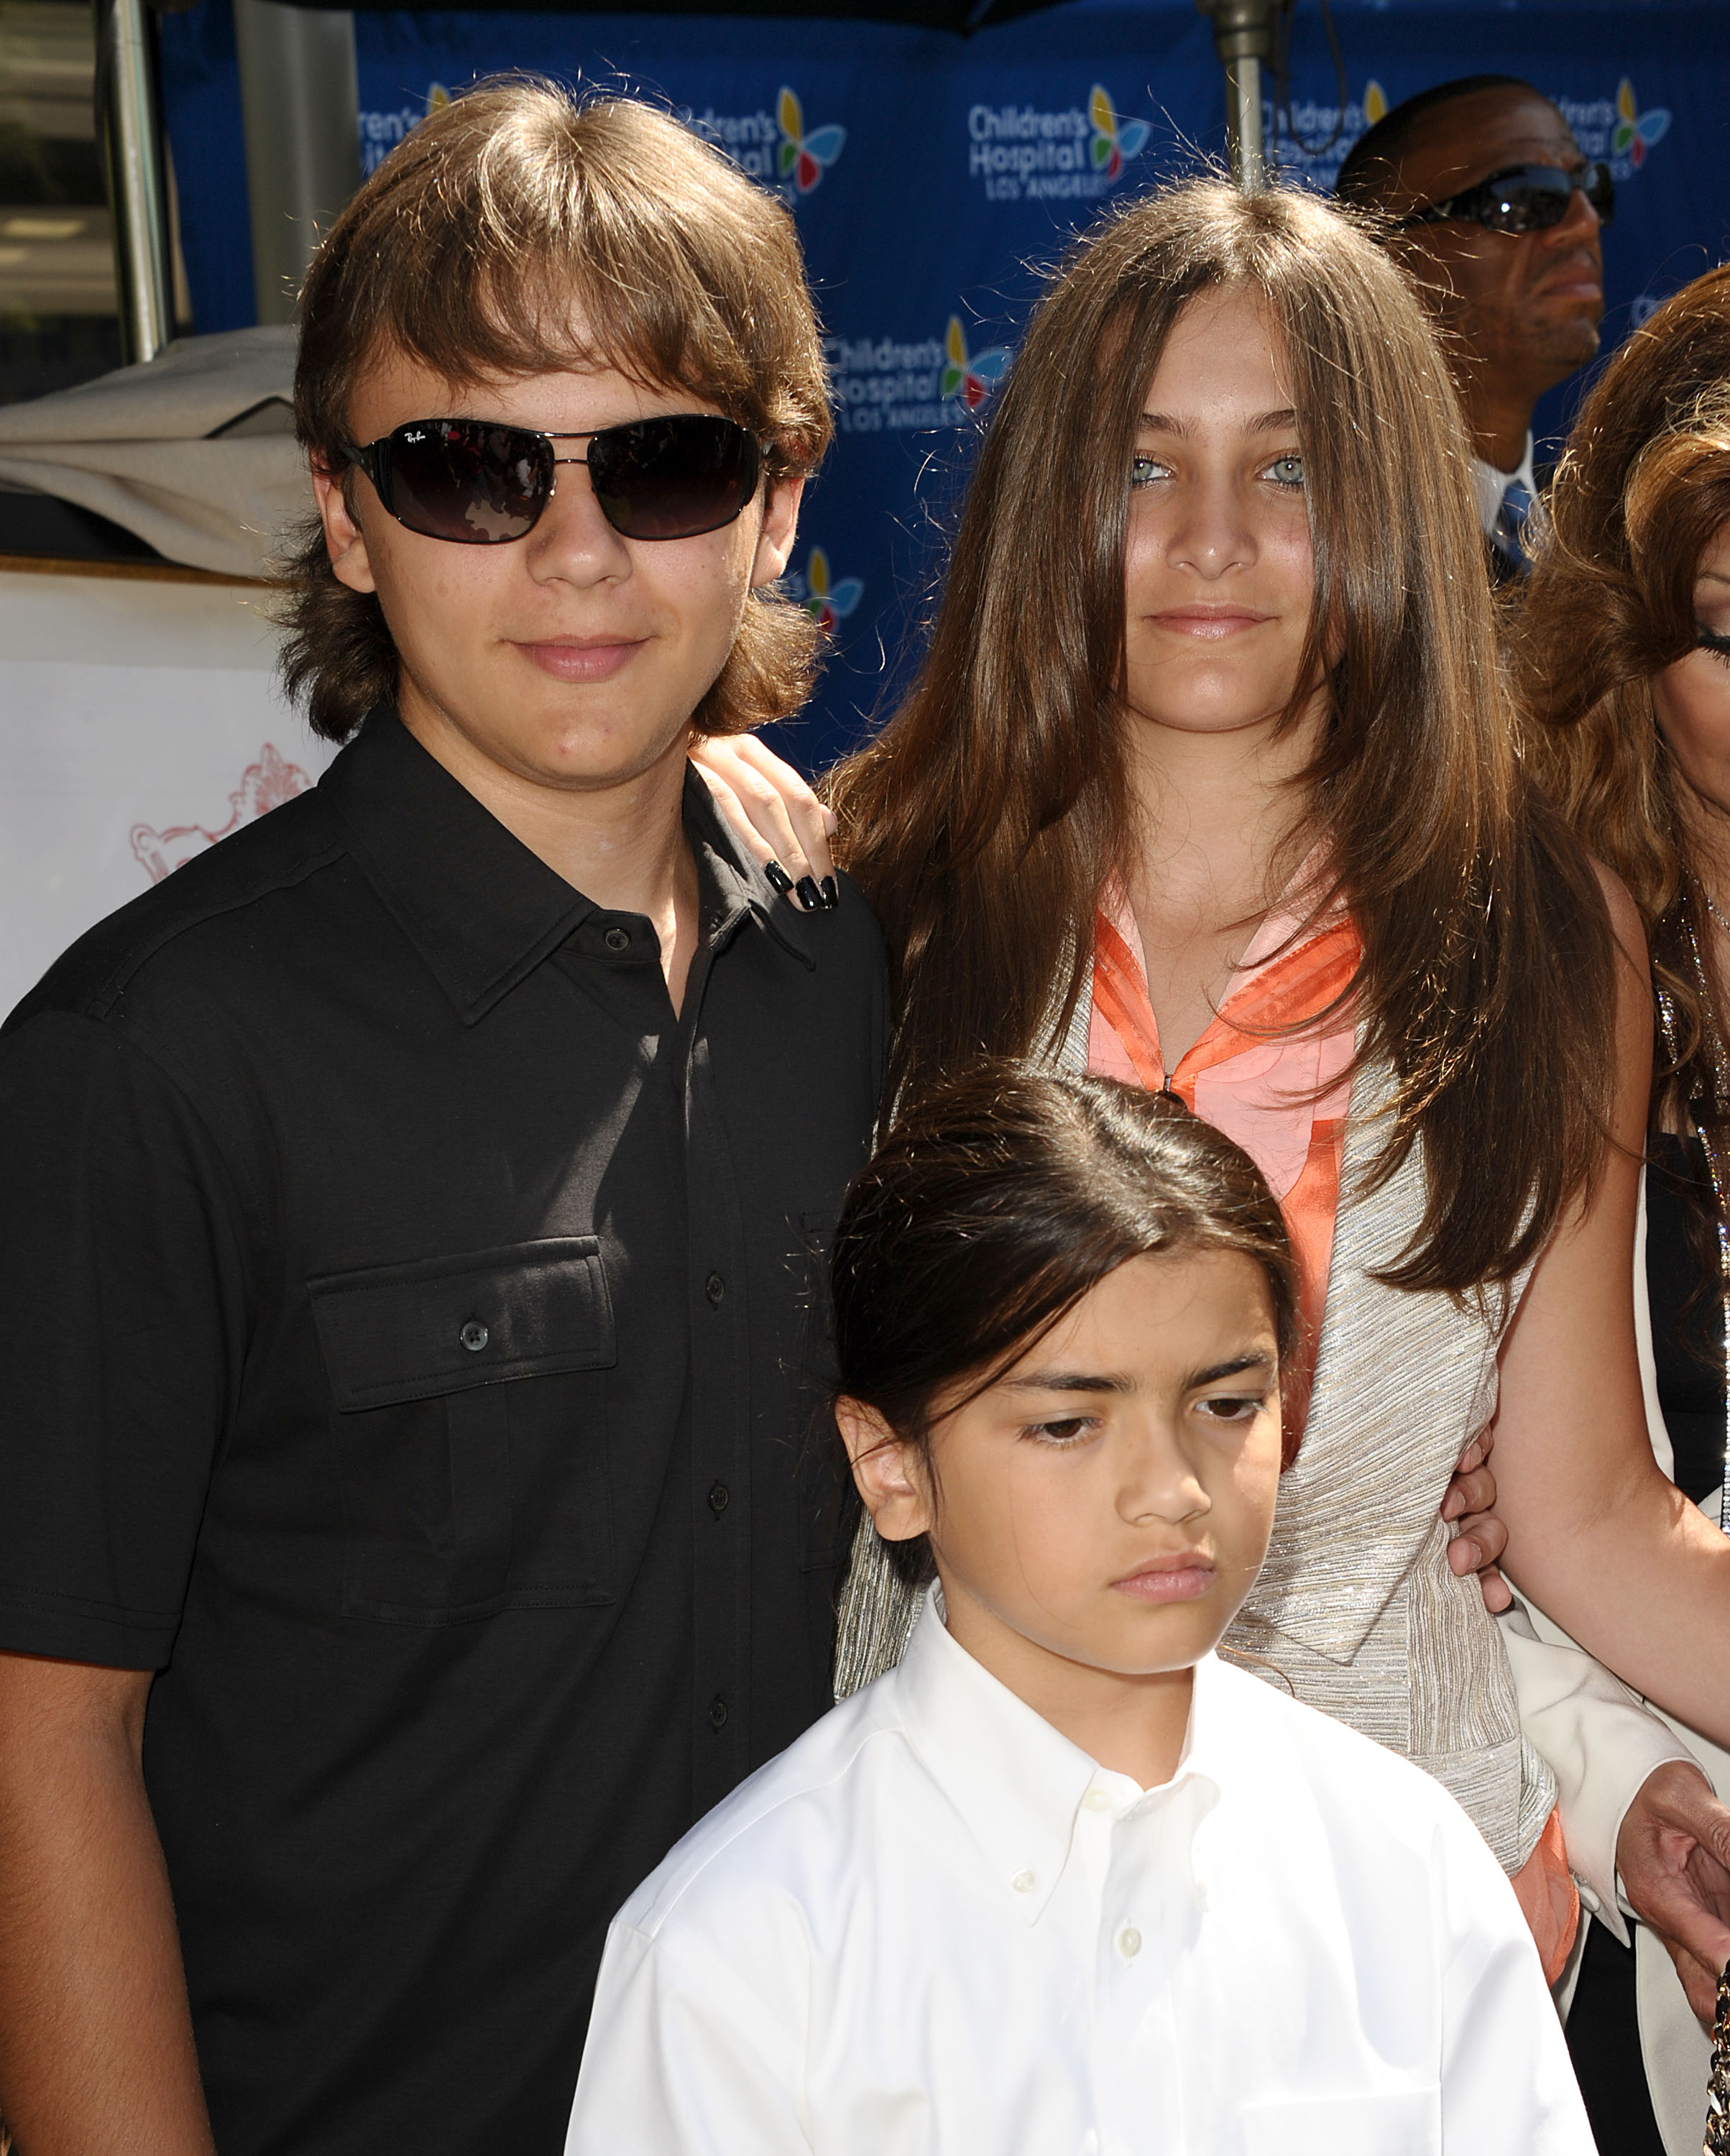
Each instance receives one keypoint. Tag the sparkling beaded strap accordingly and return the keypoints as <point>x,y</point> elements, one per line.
<point>1718,2087</point>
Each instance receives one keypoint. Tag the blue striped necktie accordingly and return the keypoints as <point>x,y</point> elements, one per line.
<point>1509,530</point>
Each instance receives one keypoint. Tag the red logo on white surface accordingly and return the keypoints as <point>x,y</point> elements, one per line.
<point>266,785</point>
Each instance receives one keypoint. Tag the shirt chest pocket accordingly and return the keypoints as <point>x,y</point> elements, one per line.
<point>471,1413</point>
<point>1400,2122</point>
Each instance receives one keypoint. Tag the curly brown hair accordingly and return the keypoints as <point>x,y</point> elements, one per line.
<point>471,248</point>
<point>1641,490</point>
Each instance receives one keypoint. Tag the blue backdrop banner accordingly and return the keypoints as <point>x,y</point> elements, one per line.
<point>933,177</point>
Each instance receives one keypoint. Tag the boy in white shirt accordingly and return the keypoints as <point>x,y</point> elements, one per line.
<point>1063,1883</point>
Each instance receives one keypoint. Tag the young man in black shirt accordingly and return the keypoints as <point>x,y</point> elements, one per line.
<point>412,1511</point>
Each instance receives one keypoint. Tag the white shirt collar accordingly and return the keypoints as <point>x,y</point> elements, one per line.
<point>1491,485</point>
<point>1018,1783</point>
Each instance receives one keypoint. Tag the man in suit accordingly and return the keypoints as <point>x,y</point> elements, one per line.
<point>1497,213</point>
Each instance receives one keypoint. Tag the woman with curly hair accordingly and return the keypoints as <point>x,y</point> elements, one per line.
<point>1622,658</point>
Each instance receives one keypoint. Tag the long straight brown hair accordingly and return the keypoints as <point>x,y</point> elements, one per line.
<point>986,817</point>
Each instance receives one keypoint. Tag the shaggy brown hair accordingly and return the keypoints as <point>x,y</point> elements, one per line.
<point>1643,487</point>
<point>986,818</point>
<point>470,249</point>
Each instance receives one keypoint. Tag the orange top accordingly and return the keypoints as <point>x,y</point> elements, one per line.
<point>1279,1093</point>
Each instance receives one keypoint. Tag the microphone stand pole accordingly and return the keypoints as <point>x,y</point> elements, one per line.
<point>1245,35</point>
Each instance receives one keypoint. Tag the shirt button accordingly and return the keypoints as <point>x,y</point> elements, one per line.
<point>720,1498</point>
<point>1129,1943</point>
<point>474,1335</point>
<point>714,1287</point>
<point>618,939</point>
<point>1098,1800</point>
<point>1024,1882</point>
<point>717,1713</point>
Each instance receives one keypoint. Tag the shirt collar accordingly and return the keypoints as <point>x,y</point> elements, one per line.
<point>481,909</point>
<point>1018,1783</point>
<point>1490,484</point>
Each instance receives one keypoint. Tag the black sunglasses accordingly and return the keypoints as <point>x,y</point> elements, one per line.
<point>483,486</point>
<point>1524,198</point>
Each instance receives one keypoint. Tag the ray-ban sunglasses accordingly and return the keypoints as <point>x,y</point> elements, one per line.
<point>480,484</point>
<point>1523,198</point>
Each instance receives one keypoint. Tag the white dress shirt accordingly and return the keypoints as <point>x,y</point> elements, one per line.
<point>1489,485</point>
<point>933,1927</point>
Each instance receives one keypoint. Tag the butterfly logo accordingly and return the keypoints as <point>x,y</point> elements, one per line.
<point>805,158</point>
<point>1115,140</point>
<point>825,601</point>
<point>1636,131</point>
<point>970,377</point>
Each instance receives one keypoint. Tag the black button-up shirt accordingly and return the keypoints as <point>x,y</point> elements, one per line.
<point>417,1347</point>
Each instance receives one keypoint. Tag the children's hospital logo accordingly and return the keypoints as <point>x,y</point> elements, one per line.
<point>1027,152</point>
<point>381,131</point>
<point>825,598</point>
<point>971,379</point>
<point>882,386</point>
<point>804,158</point>
<point>775,147</point>
<point>1615,129</point>
<point>1635,132</point>
<point>1115,140</point>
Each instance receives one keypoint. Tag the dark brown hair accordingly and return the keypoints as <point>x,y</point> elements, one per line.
<point>1370,171</point>
<point>997,1200</point>
<point>986,819</point>
<point>1644,485</point>
<point>469,249</point>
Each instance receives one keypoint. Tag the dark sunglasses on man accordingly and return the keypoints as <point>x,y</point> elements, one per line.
<point>480,484</point>
<point>1523,198</point>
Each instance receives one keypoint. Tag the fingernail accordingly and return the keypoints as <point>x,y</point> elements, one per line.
<point>808,895</point>
<point>831,893</point>
<point>779,876</point>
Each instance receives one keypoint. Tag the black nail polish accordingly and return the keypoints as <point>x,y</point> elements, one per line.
<point>831,894</point>
<point>809,898</point>
<point>779,876</point>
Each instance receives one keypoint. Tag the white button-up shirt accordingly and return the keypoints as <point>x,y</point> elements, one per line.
<point>935,1927</point>
<point>1489,485</point>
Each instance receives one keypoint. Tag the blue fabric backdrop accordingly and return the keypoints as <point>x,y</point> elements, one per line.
<point>932,175</point>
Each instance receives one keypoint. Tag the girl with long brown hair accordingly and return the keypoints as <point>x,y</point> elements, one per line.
<point>1208,779</point>
<point>1623,651</point>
